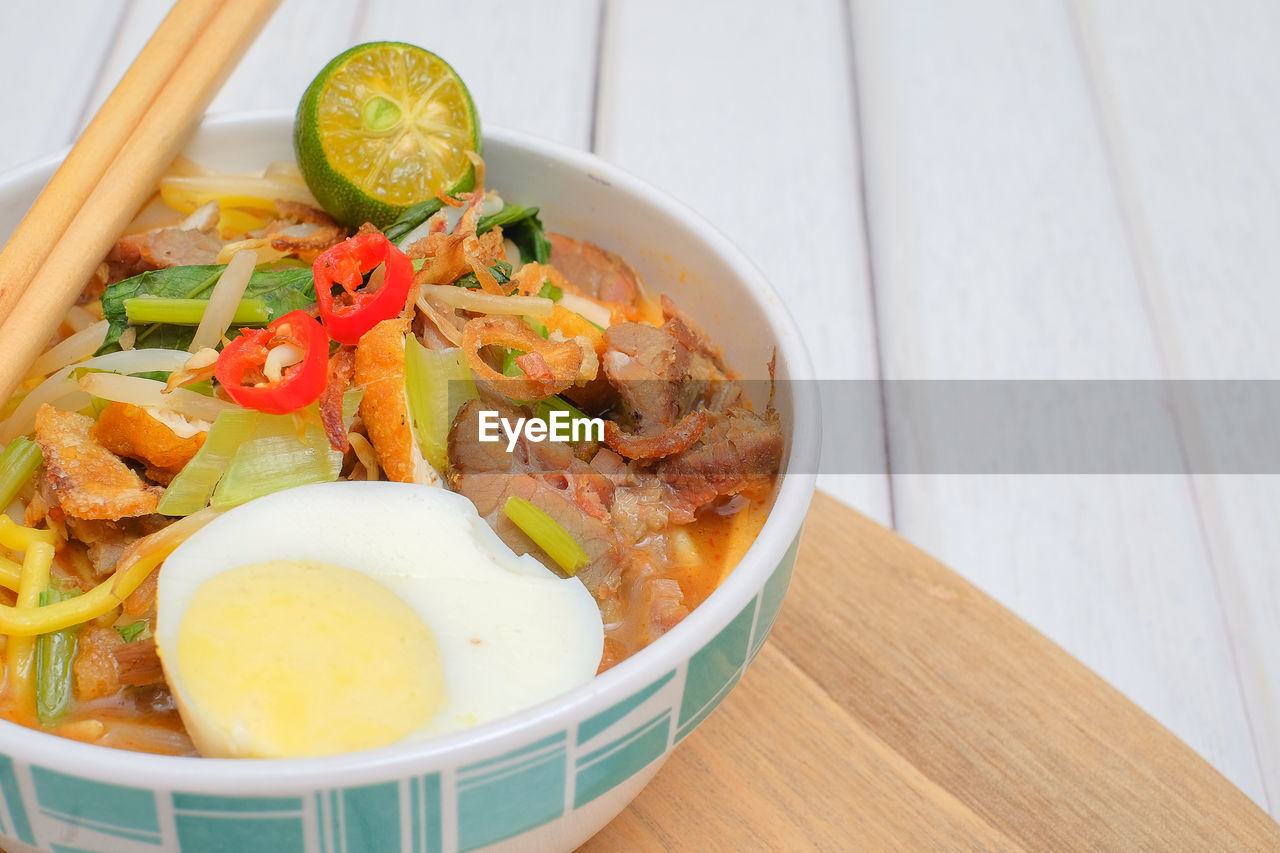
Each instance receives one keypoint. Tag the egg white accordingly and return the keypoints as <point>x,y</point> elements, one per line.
<point>510,633</point>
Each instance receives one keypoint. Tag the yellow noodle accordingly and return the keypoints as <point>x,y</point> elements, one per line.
<point>22,650</point>
<point>133,568</point>
<point>19,538</point>
<point>10,572</point>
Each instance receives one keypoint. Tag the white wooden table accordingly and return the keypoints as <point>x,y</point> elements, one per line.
<point>1014,189</point>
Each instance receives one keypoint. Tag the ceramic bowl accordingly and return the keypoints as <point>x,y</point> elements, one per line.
<point>544,779</point>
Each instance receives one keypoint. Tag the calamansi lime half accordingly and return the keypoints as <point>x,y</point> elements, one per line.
<point>383,126</point>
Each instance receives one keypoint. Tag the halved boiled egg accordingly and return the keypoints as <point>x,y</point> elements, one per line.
<point>346,616</point>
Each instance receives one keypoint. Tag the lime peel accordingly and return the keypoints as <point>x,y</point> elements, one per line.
<point>383,126</point>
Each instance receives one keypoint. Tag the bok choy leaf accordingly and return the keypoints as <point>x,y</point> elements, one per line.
<point>437,384</point>
<point>280,290</point>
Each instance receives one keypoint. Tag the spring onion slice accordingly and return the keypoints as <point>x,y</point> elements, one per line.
<point>547,534</point>
<point>558,404</point>
<point>509,366</point>
<point>55,652</point>
<point>191,489</point>
<point>437,384</point>
<point>131,632</point>
<point>189,312</point>
<point>18,462</point>
<point>538,326</point>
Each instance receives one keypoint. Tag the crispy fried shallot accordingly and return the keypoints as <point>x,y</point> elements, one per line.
<point>488,283</point>
<point>448,330</point>
<point>450,256</point>
<point>533,275</point>
<point>342,368</point>
<point>561,359</point>
<point>673,439</point>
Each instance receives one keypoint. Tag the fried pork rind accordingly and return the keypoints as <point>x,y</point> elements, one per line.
<point>384,408</point>
<point>128,430</point>
<point>90,481</point>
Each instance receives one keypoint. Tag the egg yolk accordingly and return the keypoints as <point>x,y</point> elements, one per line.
<point>295,658</point>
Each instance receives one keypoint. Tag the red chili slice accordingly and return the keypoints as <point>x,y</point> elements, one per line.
<point>299,384</point>
<point>345,264</point>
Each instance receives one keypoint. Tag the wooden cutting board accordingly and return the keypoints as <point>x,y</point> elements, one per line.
<point>896,706</point>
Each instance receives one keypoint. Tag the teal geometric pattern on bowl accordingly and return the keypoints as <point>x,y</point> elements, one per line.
<point>426,815</point>
<point>716,667</point>
<point>529,782</point>
<point>613,746</point>
<point>206,824</point>
<point>772,595</point>
<point>13,813</point>
<point>452,810</point>
<point>112,810</point>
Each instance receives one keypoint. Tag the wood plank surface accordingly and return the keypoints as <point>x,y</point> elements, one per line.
<point>1000,250</point>
<point>1189,102</point>
<point>897,706</point>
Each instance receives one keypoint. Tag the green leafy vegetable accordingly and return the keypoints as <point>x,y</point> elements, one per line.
<point>550,291</point>
<point>18,462</point>
<point>130,632</point>
<point>55,652</point>
<point>281,290</point>
<point>248,454</point>
<point>547,534</point>
<point>501,271</point>
<point>276,456</point>
<point>437,384</point>
<point>412,217</point>
<point>141,310</point>
<point>521,226</point>
<point>190,490</point>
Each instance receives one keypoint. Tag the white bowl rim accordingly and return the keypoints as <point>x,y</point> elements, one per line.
<point>257,777</point>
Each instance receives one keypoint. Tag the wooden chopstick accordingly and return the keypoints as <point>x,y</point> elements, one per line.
<point>101,141</point>
<point>125,184</point>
